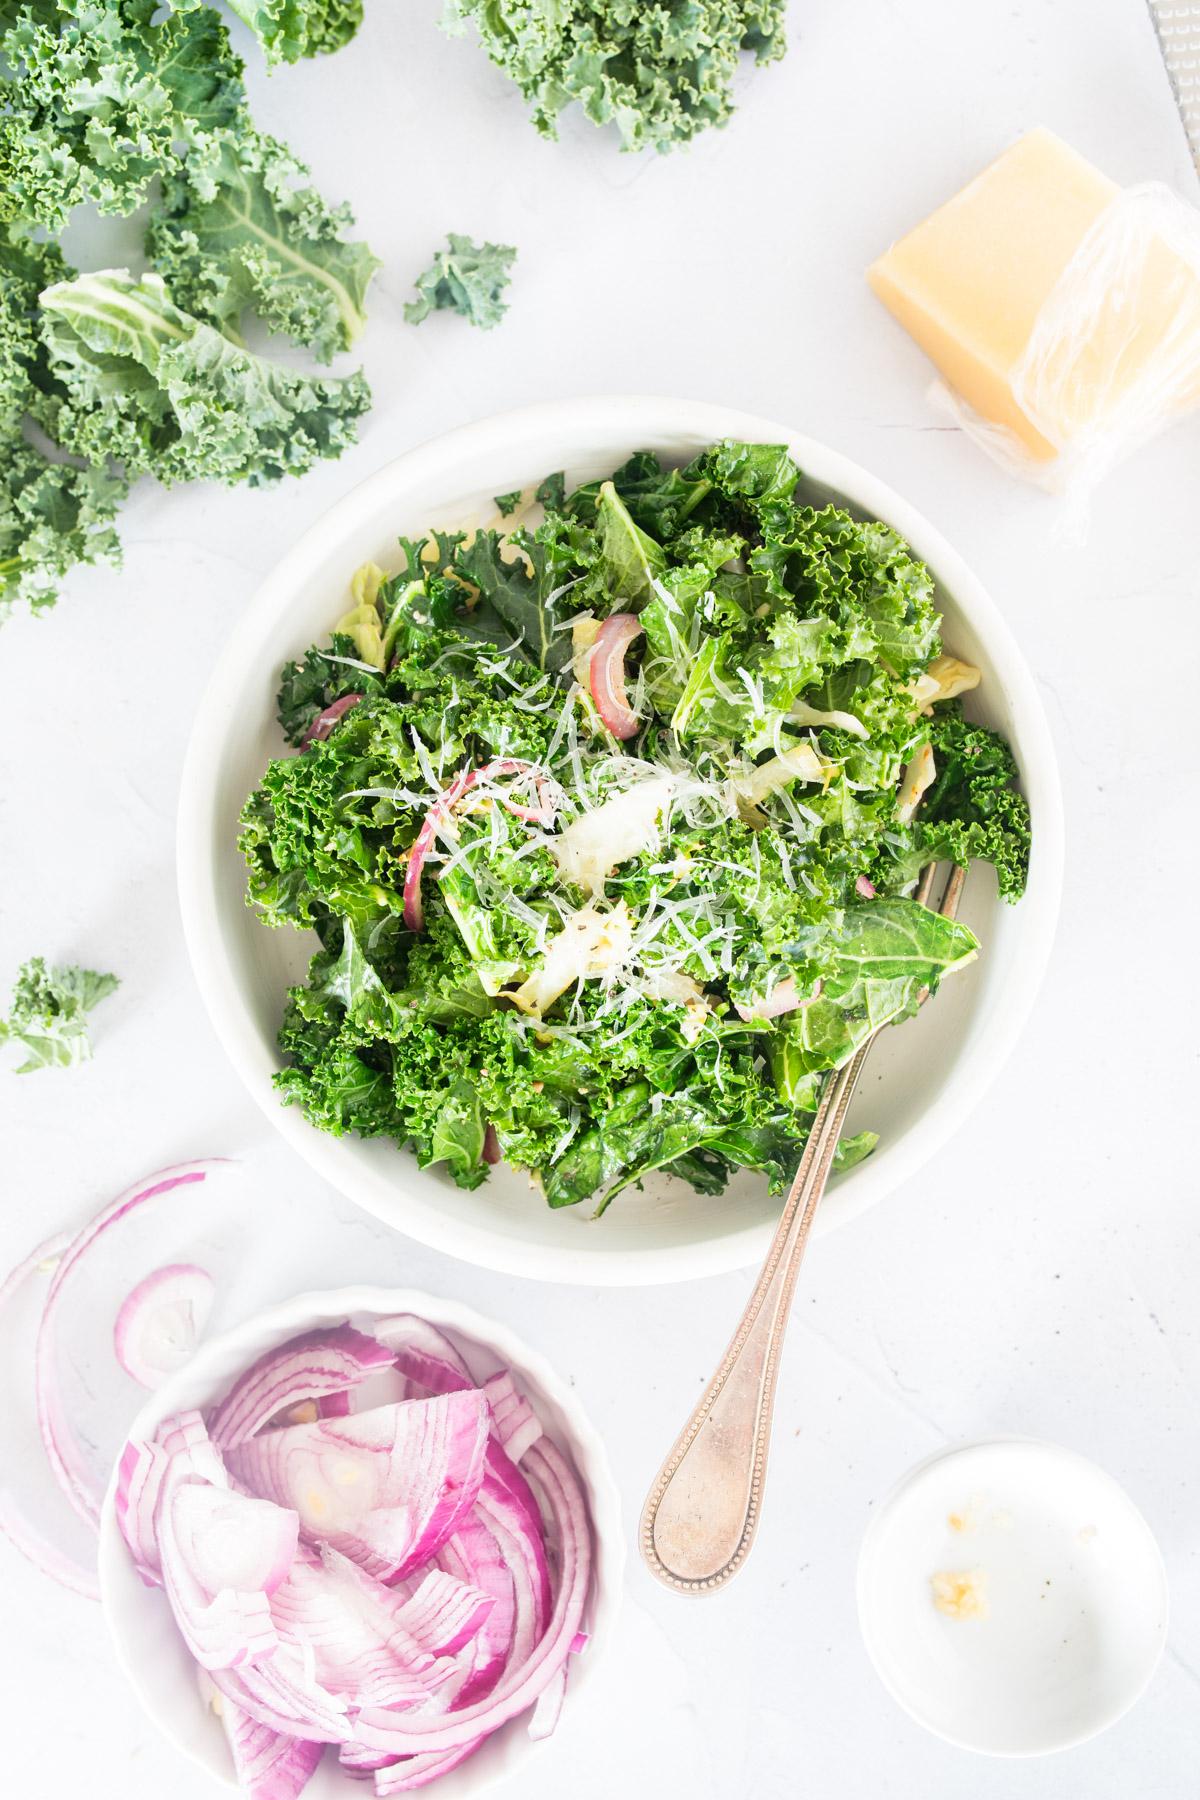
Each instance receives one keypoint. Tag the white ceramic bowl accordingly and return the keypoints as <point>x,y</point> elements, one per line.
<point>147,1642</point>
<point>924,1078</point>
<point>1074,1590</point>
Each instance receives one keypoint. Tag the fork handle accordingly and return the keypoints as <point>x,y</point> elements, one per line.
<point>702,1512</point>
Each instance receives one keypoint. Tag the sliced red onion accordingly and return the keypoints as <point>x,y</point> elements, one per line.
<point>222,1626</point>
<point>517,1425</point>
<point>548,1706</point>
<point>161,1322</point>
<point>439,814</point>
<point>522,1546</point>
<point>430,1364</point>
<point>385,1487</point>
<point>423,1355</point>
<point>491,1146</point>
<point>62,1451</point>
<point>320,1366</point>
<point>865,886</point>
<point>445,1615</point>
<point>414,908</point>
<point>474,1557</point>
<point>281,1694</point>
<point>45,1556</point>
<point>233,1540</point>
<point>25,1536</point>
<point>269,1765</point>
<point>325,721</point>
<point>402,1776</point>
<point>358,1760</point>
<point>606,673</point>
<point>139,1478</point>
<point>783,998</point>
<point>524,1679</point>
<point>304,1640</point>
<point>351,1628</point>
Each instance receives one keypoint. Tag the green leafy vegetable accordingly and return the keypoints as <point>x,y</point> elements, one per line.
<point>508,503</point>
<point>235,233</point>
<point>107,379</point>
<point>164,393</point>
<point>52,514</point>
<point>660,71</point>
<point>468,279</point>
<point>290,29</point>
<point>973,810</point>
<point>48,1013</point>
<point>885,955</point>
<point>639,954</point>
<point>99,95</point>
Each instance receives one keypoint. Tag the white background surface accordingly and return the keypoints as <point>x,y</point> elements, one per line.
<point>1041,1276</point>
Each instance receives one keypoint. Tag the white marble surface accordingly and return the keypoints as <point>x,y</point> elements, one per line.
<point>1041,1276</point>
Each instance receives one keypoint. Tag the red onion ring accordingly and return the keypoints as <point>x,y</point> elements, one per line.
<point>23,1535</point>
<point>439,814</point>
<point>865,886</point>
<point>325,721</point>
<point>58,1440</point>
<point>180,1295</point>
<point>523,1681</point>
<point>606,673</point>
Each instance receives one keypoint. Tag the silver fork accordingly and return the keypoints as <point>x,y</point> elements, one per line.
<point>702,1512</point>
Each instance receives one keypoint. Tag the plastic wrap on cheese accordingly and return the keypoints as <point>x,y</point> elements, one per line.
<point>1064,312</point>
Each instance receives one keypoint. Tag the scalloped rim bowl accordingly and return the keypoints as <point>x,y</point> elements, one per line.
<point>145,1636</point>
<point>924,1078</point>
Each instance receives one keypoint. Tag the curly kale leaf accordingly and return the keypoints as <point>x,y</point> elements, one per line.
<point>290,29</point>
<point>320,677</point>
<point>326,833</point>
<point>166,394</point>
<point>26,267</point>
<point>527,581</point>
<point>468,279</point>
<point>973,810</point>
<point>48,1013</point>
<point>861,574</point>
<point>660,72</point>
<point>99,99</point>
<point>237,232</point>
<point>52,515</point>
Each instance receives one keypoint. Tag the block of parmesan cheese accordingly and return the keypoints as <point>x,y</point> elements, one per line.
<point>980,286</point>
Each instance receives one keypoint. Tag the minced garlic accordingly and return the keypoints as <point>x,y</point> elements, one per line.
<point>960,1593</point>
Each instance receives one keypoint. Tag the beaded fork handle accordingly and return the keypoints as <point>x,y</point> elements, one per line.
<point>701,1514</point>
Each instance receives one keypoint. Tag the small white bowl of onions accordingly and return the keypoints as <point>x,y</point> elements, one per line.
<point>364,1543</point>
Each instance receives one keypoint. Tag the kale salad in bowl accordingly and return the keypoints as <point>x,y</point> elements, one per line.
<point>590,825</point>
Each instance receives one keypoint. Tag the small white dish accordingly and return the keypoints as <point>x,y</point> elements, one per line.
<point>148,1645</point>
<point>1065,1570</point>
<point>925,1076</point>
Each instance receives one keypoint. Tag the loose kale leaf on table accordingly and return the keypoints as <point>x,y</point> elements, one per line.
<point>237,231</point>
<point>290,29</point>
<point>52,514</point>
<point>98,96</point>
<point>468,279</point>
<point>48,1013</point>
<point>99,101</point>
<point>660,71</point>
<point>166,394</point>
